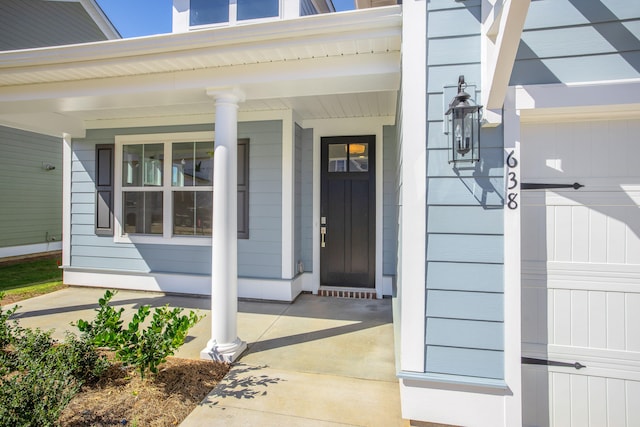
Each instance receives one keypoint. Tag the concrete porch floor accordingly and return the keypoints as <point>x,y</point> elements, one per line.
<point>320,361</point>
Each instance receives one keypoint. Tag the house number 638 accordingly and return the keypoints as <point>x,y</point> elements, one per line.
<point>512,180</point>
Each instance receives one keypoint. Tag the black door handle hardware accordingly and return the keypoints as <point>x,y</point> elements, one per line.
<point>536,186</point>
<point>534,361</point>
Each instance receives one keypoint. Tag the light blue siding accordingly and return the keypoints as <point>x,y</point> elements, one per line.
<point>31,197</point>
<point>480,190</point>
<point>465,248</point>
<point>568,41</point>
<point>464,258</point>
<point>465,333</point>
<point>466,362</point>
<point>258,256</point>
<point>464,219</point>
<point>465,276</point>
<point>465,305</point>
<point>389,220</point>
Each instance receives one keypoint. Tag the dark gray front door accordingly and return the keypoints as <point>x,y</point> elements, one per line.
<point>347,212</point>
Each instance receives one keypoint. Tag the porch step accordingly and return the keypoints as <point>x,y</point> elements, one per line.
<point>344,292</point>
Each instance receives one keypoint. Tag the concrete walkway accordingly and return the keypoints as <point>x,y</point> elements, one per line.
<point>317,362</point>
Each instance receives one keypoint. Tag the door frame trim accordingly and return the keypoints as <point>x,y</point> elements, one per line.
<point>339,127</point>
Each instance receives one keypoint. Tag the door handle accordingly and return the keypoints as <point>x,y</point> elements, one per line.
<point>323,233</point>
<point>536,361</point>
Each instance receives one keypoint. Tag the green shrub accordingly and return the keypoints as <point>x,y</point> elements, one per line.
<point>39,376</point>
<point>144,347</point>
<point>6,327</point>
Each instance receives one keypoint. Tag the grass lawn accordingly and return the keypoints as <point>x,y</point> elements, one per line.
<point>28,278</point>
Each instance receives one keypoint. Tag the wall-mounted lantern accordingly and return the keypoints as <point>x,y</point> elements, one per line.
<point>463,118</point>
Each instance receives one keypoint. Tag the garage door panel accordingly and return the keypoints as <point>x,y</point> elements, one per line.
<point>563,241</point>
<point>581,273</point>
<point>633,407</point>
<point>632,313</point>
<point>574,233</point>
<point>615,321</point>
<point>579,400</point>
<point>598,401</point>
<point>597,237</point>
<point>580,237</point>
<point>580,318</point>
<point>616,402</point>
<point>560,394</point>
<point>597,319</point>
<point>561,317</point>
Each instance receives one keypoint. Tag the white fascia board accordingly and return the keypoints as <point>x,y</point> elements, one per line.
<point>580,101</point>
<point>282,34</point>
<point>503,22</point>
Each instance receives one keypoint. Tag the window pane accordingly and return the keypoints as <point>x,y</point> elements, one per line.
<point>192,164</point>
<point>252,9</point>
<point>131,168</point>
<point>142,165</point>
<point>143,212</point>
<point>337,157</point>
<point>359,157</point>
<point>204,164</point>
<point>153,164</point>
<point>208,12</point>
<point>182,164</point>
<point>192,213</point>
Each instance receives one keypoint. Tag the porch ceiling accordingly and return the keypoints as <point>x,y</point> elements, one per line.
<point>333,65</point>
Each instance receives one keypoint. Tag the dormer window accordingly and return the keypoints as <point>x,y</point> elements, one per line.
<point>207,12</point>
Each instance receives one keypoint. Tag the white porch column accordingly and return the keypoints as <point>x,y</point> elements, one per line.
<point>224,344</point>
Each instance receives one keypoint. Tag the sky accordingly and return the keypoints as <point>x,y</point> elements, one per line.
<point>135,18</point>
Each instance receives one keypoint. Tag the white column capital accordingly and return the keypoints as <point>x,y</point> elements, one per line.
<point>227,95</point>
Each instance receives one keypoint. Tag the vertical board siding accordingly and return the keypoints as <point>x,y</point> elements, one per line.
<point>31,207</point>
<point>39,23</point>
<point>567,41</point>
<point>464,258</point>
<point>258,256</point>
<point>389,219</point>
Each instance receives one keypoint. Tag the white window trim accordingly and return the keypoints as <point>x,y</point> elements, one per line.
<point>167,237</point>
<point>233,18</point>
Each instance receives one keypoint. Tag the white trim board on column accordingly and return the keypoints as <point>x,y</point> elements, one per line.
<point>288,183</point>
<point>67,163</point>
<point>512,269</point>
<point>411,263</point>
<point>345,127</point>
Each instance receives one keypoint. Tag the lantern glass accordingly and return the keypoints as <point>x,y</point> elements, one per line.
<point>465,136</point>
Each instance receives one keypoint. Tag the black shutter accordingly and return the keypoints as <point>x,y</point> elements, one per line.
<point>104,189</point>
<point>243,189</point>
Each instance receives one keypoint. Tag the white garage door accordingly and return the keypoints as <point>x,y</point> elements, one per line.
<point>581,274</point>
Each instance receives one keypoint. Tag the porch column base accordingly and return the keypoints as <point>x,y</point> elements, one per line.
<point>228,353</point>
